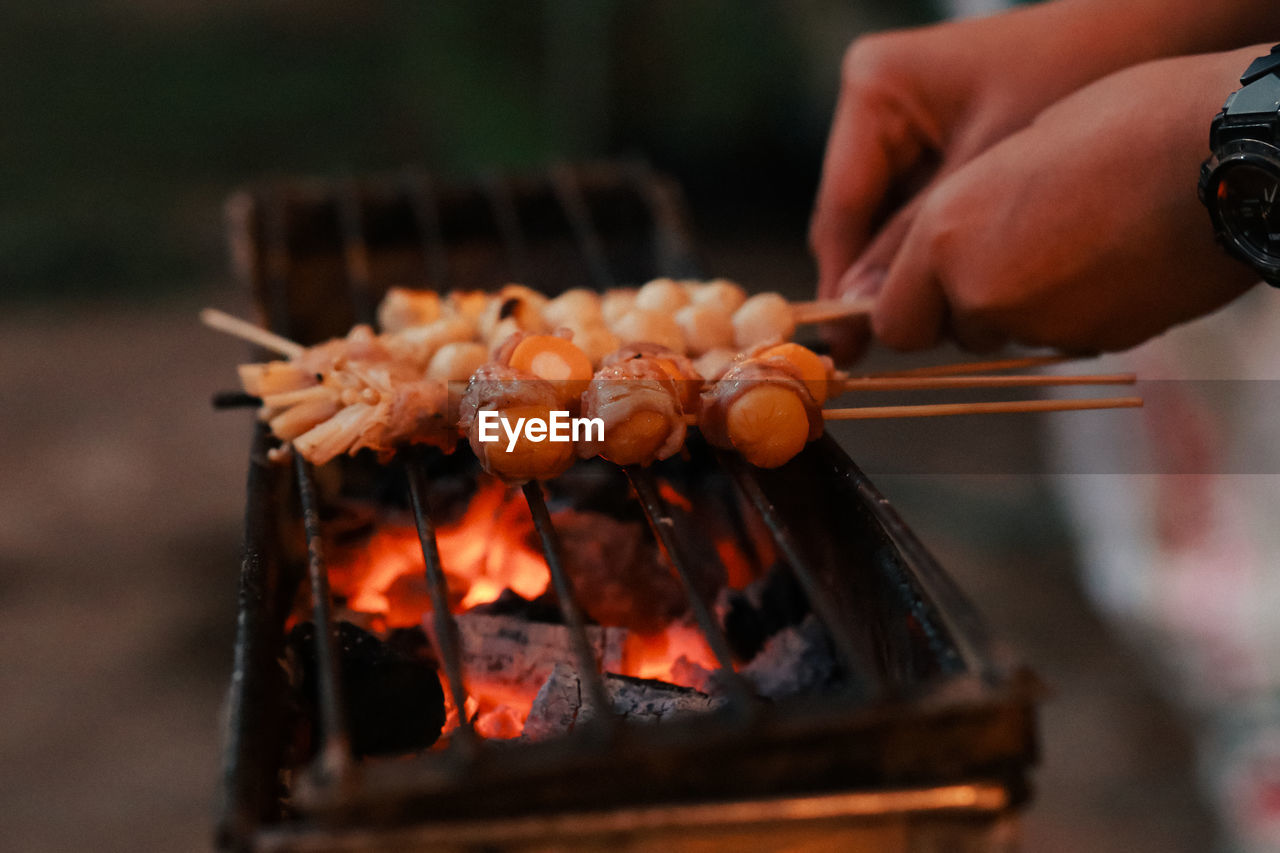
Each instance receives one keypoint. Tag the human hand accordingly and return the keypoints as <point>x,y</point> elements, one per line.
<point>916,105</point>
<point>1082,231</point>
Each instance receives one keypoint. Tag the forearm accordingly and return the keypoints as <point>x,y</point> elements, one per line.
<point>1065,44</point>
<point>1178,27</point>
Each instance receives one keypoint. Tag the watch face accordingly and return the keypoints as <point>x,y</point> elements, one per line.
<point>1249,205</point>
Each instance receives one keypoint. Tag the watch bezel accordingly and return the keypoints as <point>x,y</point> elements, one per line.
<point>1240,152</point>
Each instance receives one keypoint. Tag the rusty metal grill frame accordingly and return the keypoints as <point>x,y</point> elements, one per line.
<point>976,691</point>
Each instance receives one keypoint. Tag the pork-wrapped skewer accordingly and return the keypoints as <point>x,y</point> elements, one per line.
<point>512,394</point>
<point>763,408</point>
<point>687,379</point>
<point>555,358</point>
<point>639,404</point>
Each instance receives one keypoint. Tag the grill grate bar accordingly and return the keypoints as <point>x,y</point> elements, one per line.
<point>355,252</point>
<point>855,658</point>
<point>568,192</point>
<point>336,750</point>
<point>356,255</point>
<point>507,219</point>
<point>426,213</point>
<point>446,628</point>
<point>660,519</point>
<point>588,666</point>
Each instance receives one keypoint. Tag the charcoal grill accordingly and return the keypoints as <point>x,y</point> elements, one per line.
<point>929,748</point>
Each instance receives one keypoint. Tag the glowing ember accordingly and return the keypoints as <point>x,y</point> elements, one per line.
<point>674,498</point>
<point>484,552</point>
<point>620,577</point>
<point>655,655</point>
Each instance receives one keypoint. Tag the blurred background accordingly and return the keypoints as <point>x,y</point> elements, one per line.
<point>126,124</point>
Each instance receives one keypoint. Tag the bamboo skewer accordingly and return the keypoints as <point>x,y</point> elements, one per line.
<point>826,310</point>
<point>933,410</point>
<point>918,383</point>
<point>246,331</point>
<point>964,367</point>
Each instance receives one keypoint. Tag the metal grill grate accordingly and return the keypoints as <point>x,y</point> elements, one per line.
<point>933,634</point>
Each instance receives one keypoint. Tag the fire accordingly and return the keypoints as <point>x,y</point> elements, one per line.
<point>492,547</point>
<point>489,548</point>
<point>656,655</point>
<point>484,552</point>
<point>671,496</point>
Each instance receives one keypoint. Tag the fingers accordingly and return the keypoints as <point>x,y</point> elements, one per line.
<point>848,340</point>
<point>876,138</point>
<point>866,277</point>
<point>911,309</point>
<point>855,177</point>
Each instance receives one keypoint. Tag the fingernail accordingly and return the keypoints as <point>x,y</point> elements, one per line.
<point>861,283</point>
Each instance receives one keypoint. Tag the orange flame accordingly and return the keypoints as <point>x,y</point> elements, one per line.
<point>655,655</point>
<point>484,552</point>
<point>491,547</point>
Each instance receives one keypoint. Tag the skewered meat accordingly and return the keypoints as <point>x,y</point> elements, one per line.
<point>403,308</point>
<point>705,327</point>
<point>817,372</point>
<point>555,359</point>
<point>678,366</point>
<point>596,341</point>
<point>641,326</point>
<point>456,361</point>
<point>381,391</point>
<point>640,406</point>
<point>616,303</point>
<point>513,308</point>
<point>764,318</point>
<point>418,345</point>
<point>513,395</point>
<point>467,304</point>
<point>712,365</point>
<point>384,407</point>
<point>578,307</point>
<point>718,293</point>
<point>662,295</point>
<point>762,409</point>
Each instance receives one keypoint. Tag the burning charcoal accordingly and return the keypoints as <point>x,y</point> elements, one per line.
<point>693,674</point>
<point>779,598</point>
<point>391,692</point>
<point>506,658</point>
<point>752,615</point>
<point>511,603</point>
<point>796,660</point>
<point>599,485</point>
<point>744,626</point>
<point>617,572</point>
<point>562,704</point>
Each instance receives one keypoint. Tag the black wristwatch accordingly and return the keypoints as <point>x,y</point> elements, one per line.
<point>1240,183</point>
